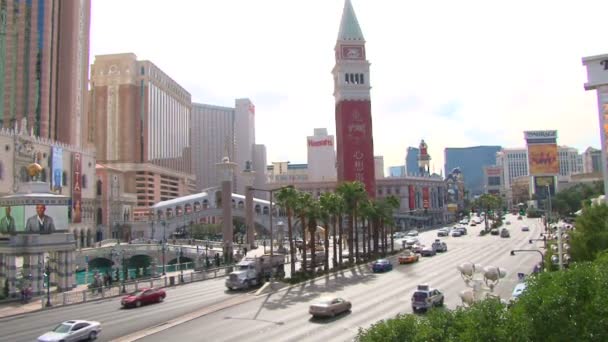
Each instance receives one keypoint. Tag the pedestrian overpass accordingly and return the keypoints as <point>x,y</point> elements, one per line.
<point>168,217</point>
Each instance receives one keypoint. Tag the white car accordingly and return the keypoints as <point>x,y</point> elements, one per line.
<point>74,330</point>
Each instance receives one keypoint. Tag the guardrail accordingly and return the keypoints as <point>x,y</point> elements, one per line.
<point>98,293</point>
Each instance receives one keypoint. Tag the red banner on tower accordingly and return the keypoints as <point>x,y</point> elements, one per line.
<point>355,145</point>
<point>76,187</point>
<point>412,197</point>
<point>425,198</point>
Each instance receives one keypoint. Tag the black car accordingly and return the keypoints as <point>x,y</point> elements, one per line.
<point>428,251</point>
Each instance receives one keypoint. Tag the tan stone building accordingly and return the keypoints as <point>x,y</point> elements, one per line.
<point>44,61</point>
<point>142,129</point>
<point>69,171</point>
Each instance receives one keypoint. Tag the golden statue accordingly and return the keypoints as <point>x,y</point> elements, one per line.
<point>34,170</point>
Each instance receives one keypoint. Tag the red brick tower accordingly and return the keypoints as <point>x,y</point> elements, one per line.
<point>354,140</point>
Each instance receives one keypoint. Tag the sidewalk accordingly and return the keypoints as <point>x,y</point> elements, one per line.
<point>8,309</point>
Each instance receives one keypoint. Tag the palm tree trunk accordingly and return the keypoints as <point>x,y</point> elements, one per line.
<point>369,238</point>
<point>292,253</point>
<point>303,223</point>
<point>363,237</point>
<point>312,227</point>
<point>356,233</point>
<point>326,245</point>
<point>340,234</point>
<point>392,239</point>
<point>335,256</point>
<point>350,237</point>
<point>375,228</point>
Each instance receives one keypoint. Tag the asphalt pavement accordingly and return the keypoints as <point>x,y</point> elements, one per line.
<point>283,316</point>
<point>206,311</point>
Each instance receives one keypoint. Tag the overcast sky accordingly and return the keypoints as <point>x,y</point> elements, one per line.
<point>454,73</point>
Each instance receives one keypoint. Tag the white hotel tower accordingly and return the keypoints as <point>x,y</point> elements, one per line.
<point>321,156</point>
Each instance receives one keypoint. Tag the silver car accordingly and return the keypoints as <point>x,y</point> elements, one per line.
<point>74,330</point>
<point>329,307</point>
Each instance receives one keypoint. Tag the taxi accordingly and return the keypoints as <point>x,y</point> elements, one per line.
<point>408,257</point>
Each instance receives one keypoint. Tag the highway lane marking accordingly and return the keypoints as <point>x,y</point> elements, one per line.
<point>185,318</point>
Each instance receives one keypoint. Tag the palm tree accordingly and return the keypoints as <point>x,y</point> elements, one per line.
<point>302,202</point>
<point>365,213</point>
<point>353,193</point>
<point>487,202</point>
<point>393,204</point>
<point>313,213</point>
<point>286,198</point>
<point>329,210</point>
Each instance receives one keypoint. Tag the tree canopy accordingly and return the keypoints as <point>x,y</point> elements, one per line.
<point>556,306</point>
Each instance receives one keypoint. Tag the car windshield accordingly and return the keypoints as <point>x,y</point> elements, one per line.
<point>382,261</point>
<point>62,328</point>
<point>420,296</point>
<point>137,293</point>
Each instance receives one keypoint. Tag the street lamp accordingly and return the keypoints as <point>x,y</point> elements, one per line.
<point>121,254</point>
<point>181,268</point>
<point>48,280</point>
<point>163,245</point>
<point>544,240</point>
<point>542,256</point>
<point>481,286</point>
<point>271,191</point>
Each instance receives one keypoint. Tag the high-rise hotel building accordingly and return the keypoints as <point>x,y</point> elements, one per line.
<point>219,132</point>
<point>141,126</point>
<point>44,61</point>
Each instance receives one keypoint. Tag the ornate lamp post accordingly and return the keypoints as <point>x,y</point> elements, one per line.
<point>482,286</point>
<point>164,246</point>
<point>121,253</point>
<point>48,280</point>
<point>542,256</point>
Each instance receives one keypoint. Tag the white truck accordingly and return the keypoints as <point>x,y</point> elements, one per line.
<point>254,271</point>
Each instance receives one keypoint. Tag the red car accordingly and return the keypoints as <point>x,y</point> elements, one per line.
<point>143,296</point>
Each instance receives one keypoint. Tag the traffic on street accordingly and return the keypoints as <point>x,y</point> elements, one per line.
<point>284,315</point>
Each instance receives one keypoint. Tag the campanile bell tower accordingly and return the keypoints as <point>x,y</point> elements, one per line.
<point>354,140</point>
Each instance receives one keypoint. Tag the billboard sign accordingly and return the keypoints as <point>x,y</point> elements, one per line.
<point>603,103</point>
<point>425,198</point>
<point>76,187</point>
<point>38,218</point>
<point>412,197</point>
<point>542,184</point>
<point>57,167</point>
<point>542,159</point>
<point>540,135</point>
<point>322,142</point>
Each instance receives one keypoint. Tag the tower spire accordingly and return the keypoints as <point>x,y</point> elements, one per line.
<point>349,25</point>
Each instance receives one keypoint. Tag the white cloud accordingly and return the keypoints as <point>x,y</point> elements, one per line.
<point>504,67</point>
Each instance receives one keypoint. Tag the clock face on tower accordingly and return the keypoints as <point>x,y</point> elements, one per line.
<point>352,52</point>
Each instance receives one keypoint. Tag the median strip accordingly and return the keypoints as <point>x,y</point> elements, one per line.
<point>185,318</point>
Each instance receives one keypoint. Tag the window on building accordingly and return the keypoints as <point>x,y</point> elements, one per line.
<point>65,178</point>
<point>84,181</point>
<point>99,184</point>
<point>1,170</point>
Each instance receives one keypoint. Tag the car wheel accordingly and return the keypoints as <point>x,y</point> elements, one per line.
<point>441,302</point>
<point>160,298</point>
<point>137,304</point>
<point>93,336</point>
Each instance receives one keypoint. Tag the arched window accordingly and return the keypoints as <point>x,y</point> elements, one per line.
<point>23,176</point>
<point>65,178</point>
<point>43,175</point>
<point>99,216</point>
<point>99,184</point>
<point>1,170</point>
<point>84,181</point>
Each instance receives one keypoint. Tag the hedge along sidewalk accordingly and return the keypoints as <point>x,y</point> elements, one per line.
<point>79,295</point>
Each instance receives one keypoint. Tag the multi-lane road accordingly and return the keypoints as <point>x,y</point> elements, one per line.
<point>205,311</point>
